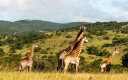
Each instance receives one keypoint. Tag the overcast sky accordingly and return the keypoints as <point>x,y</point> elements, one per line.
<point>64,10</point>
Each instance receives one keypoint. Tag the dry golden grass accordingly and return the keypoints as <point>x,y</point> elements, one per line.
<point>60,76</point>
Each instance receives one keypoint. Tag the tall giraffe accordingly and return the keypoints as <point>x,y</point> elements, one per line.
<point>27,62</point>
<point>106,64</point>
<point>70,48</point>
<point>73,57</point>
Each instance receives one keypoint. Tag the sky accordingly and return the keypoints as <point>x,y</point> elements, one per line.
<point>64,11</point>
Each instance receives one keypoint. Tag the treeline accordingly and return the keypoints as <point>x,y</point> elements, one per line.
<point>26,26</point>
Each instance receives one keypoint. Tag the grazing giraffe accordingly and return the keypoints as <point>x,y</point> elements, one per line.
<point>73,57</point>
<point>106,64</point>
<point>70,48</point>
<point>27,62</point>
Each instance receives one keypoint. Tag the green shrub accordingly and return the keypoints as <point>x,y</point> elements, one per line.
<point>37,49</point>
<point>68,36</point>
<point>125,60</point>
<point>2,43</point>
<point>97,51</point>
<point>106,38</point>
<point>2,53</point>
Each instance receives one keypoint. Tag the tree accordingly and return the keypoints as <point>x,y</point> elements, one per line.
<point>125,60</point>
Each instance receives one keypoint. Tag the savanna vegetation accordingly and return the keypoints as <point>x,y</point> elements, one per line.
<point>103,38</point>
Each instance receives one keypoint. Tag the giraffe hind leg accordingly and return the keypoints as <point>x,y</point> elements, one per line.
<point>65,66</point>
<point>59,64</point>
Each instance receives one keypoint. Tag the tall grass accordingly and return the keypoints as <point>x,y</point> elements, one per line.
<point>7,75</point>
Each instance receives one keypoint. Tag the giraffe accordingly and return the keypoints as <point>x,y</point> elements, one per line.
<point>27,61</point>
<point>73,57</point>
<point>106,64</point>
<point>70,48</point>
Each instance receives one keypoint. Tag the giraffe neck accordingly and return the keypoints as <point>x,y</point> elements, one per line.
<point>75,42</point>
<point>79,35</point>
<point>111,57</point>
<point>77,51</point>
<point>30,55</point>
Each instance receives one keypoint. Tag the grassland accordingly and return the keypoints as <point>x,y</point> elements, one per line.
<point>60,76</point>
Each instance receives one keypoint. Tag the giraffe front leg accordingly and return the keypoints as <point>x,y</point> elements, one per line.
<point>59,64</point>
<point>65,66</point>
<point>30,66</point>
<point>30,69</point>
<point>102,70</point>
<point>22,68</point>
<point>77,65</point>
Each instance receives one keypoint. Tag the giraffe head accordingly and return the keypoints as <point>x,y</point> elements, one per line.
<point>35,45</point>
<point>83,28</point>
<point>85,39</point>
<point>116,51</point>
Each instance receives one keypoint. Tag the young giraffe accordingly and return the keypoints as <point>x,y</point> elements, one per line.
<point>27,62</point>
<point>106,64</point>
<point>70,48</point>
<point>73,57</point>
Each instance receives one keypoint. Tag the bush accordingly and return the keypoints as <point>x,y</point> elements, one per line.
<point>117,68</point>
<point>37,49</point>
<point>44,52</point>
<point>95,65</point>
<point>2,43</point>
<point>68,36</point>
<point>106,38</point>
<point>97,51</point>
<point>2,53</point>
<point>125,60</point>
<point>92,50</point>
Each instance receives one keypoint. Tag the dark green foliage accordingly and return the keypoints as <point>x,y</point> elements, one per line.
<point>106,38</point>
<point>107,45</point>
<point>11,61</point>
<point>95,65</point>
<point>117,68</point>
<point>2,43</point>
<point>92,50</point>
<point>126,50</point>
<point>99,28</point>
<point>44,52</point>
<point>2,53</point>
<point>9,40</point>
<point>125,60</point>
<point>45,64</point>
<point>37,49</point>
<point>43,57</point>
<point>117,42</point>
<point>41,65</point>
<point>18,41</point>
<point>97,51</point>
<point>68,36</point>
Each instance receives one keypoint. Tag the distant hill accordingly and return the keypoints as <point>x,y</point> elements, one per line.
<point>25,26</point>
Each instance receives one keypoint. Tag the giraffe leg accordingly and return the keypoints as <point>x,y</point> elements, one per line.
<point>22,68</point>
<point>59,64</point>
<point>30,67</point>
<point>65,66</point>
<point>19,67</point>
<point>77,64</point>
<point>102,70</point>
